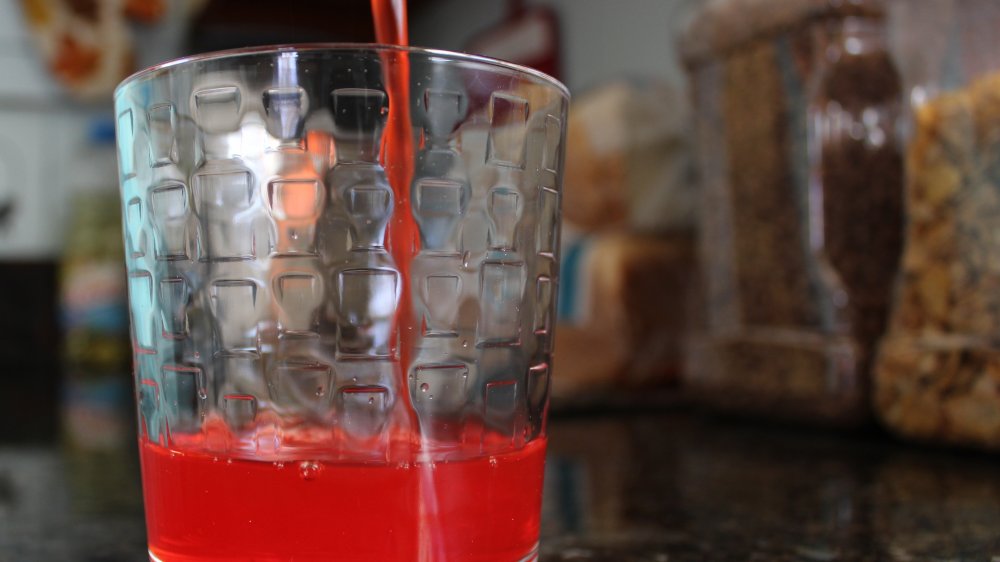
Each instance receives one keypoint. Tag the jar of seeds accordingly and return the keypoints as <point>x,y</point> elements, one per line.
<point>797,106</point>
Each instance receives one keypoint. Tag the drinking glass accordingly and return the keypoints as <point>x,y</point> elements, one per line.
<point>342,269</point>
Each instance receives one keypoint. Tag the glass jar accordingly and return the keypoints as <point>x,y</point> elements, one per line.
<point>938,369</point>
<point>801,219</point>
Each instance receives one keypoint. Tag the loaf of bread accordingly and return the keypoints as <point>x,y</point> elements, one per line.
<point>626,302</point>
<point>628,162</point>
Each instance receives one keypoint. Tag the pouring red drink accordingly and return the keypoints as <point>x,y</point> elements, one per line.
<point>448,488</point>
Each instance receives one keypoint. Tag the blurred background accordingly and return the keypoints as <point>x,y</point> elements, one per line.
<point>780,210</point>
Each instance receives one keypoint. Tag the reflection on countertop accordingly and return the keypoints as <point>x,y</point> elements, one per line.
<point>680,487</point>
<point>650,487</point>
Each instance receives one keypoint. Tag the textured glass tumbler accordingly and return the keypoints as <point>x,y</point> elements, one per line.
<point>342,265</point>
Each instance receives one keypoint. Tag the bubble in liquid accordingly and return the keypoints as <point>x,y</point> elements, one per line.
<point>424,387</point>
<point>279,464</point>
<point>308,470</point>
<point>493,462</point>
<point>202,394</point>
<point>371,400</point>
<point>320,391</point>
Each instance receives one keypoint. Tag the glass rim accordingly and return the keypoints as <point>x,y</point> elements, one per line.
<point>170,64</point>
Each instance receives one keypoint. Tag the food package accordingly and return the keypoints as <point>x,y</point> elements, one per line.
<point>937,377</point>
<point>625,304</point>
<point>628,244</point>
<point>939,373</point>
<point>627,160</point>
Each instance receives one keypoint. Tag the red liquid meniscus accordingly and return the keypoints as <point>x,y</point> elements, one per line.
<point>204,508</point>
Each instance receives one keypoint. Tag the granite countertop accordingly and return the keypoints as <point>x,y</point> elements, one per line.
<point>657,487</point>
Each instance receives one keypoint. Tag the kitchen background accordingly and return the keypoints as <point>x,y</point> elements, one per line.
<point>779,212</point>
<point>61,316</point>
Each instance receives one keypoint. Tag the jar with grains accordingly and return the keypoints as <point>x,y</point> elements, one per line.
<point>937,376</point>
<point>797,107</point>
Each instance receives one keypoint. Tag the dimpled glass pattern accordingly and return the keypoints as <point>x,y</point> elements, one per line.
<point>264,291</point>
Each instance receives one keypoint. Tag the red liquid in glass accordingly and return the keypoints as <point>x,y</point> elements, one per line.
<point>205,508</point>
<point>483,509</point>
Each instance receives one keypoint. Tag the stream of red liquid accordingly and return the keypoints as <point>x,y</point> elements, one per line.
<point>397,157</point>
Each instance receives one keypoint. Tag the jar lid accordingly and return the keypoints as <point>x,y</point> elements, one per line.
<point>724,25</point>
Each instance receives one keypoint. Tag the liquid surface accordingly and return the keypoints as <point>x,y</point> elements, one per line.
<point>205,508</point>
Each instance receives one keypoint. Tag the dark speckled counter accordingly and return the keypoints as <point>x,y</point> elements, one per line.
<point>679,487</point>
<point>663,487</point>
